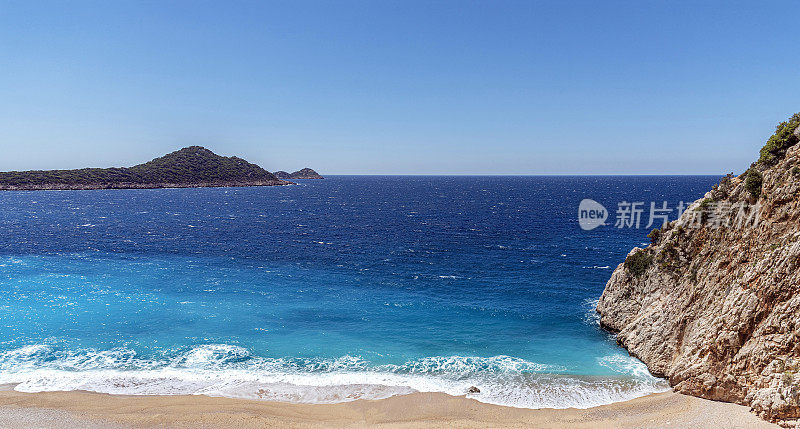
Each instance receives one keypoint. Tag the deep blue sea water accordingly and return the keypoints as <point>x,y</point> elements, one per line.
<point>331,290</point>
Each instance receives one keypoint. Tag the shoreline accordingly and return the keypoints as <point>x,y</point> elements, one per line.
<point>81,409</point>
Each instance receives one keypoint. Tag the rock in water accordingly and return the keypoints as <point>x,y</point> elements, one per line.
<point>305,173</point>
<point>716,310</point>
<point>473,389</point>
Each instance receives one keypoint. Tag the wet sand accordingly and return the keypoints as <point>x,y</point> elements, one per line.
<point>418,410</point>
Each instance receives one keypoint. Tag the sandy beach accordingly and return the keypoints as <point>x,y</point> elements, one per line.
<point>92,410</point>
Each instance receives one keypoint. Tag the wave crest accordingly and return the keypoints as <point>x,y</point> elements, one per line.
<point>233,371</point>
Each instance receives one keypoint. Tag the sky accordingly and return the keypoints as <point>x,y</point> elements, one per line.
<point>399,87</point>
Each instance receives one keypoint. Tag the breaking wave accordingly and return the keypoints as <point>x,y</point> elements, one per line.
<point>232,371</point>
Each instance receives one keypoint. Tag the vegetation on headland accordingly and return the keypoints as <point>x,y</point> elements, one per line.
<point>784,137</point>
<point>787,134</point>
<point>654,235</point>
<point>190,166</point>
<point>638,262</point>
<point>753,182</point>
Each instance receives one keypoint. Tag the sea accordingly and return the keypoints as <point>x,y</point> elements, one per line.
<point>351,287</point>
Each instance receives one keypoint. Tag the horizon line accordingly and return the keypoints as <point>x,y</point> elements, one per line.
<point>517,174</point>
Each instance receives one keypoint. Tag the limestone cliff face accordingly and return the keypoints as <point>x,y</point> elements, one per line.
<point>716,310</point>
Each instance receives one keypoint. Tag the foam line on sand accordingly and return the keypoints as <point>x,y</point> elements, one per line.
<point>417,410</point>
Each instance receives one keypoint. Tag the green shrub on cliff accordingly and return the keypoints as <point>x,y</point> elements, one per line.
<point>654,235</point>
<point>783,138</point>
<point>705,204</point>
<point>638,262</point>
<point>753,182</point>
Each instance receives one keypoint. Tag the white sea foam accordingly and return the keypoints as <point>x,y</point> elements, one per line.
<point>625,364</point>
<point>591,316</point>
<point>232,371</point>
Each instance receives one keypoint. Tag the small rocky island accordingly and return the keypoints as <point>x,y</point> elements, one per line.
<point>190,167</point>
<point>305,173</point>
<point>715,308</point>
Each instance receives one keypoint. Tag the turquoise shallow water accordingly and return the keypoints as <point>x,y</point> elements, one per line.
<point>333,290</point>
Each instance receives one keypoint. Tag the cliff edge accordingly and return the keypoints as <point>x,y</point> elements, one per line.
<point>713,304</point>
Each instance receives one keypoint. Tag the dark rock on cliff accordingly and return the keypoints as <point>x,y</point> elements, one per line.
<point>717,309</point>
<point>192,166</point>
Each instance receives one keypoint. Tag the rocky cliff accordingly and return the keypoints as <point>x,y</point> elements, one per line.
<point>713,304</point>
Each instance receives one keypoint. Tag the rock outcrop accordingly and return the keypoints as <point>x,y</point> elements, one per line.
<point>713,305</point>
<point>305,173</point>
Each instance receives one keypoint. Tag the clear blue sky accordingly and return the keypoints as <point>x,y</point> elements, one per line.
<point>406,87</point>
